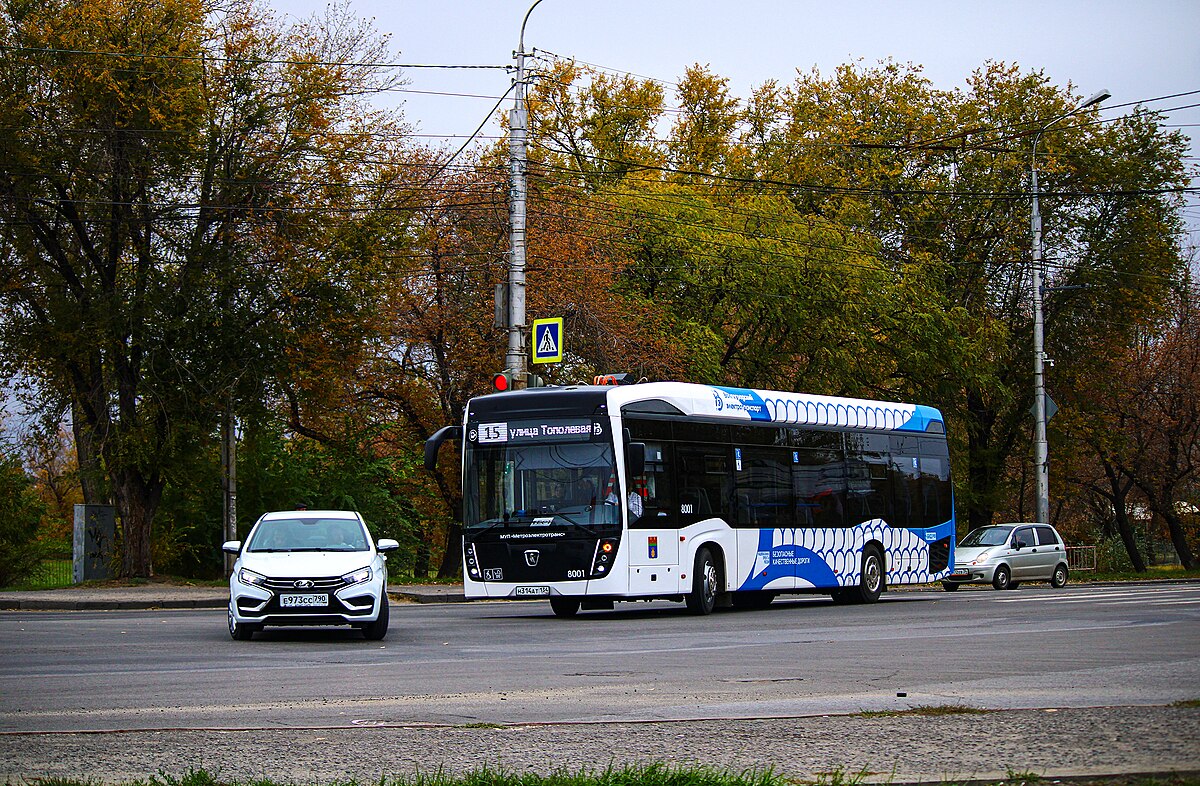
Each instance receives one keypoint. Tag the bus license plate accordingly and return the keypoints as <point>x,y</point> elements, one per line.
<point>531,592</point>
<point>303,601</point>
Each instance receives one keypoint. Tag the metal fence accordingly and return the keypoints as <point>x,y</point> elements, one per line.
<point>1081,557</point>
<point>58,571</point>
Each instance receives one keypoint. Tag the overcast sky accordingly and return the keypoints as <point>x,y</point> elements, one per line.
<point>1141,50</point>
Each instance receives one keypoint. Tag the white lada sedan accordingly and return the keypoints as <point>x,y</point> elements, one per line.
<point>309,567</point>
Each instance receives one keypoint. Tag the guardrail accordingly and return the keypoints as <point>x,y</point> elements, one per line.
<point>1081,557</point>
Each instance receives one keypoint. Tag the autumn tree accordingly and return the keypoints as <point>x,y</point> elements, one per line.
<point>165,197</point>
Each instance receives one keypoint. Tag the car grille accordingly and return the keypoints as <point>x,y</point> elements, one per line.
<point>318,585</point>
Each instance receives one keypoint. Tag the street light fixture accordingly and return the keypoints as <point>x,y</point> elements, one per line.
<point>1041,459</point>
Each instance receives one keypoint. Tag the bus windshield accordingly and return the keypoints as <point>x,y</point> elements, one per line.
<point>560,484</point>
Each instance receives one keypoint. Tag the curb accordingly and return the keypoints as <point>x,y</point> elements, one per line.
<point>111,605</point>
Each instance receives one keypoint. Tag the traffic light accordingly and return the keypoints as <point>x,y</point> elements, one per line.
<point>502,382</point>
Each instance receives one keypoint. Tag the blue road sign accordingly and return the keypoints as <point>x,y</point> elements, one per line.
<point>548,340</point>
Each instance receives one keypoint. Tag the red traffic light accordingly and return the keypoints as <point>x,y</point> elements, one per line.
<point>502,382</point>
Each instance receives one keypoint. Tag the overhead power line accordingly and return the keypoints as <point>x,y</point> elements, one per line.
<point>250,60</point>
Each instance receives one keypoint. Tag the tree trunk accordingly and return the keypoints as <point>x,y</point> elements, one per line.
<point>1120,493</point>
<point>1179,539</point>
<point>452,555</point>
<point>136,502</point>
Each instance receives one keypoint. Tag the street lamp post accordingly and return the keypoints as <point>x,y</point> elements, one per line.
<point>1041,458</point>
<point>518,127</point>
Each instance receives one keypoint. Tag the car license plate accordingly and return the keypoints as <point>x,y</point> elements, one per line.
<point>303,601</point>
<point>531,592</point>
<point>961,573</point>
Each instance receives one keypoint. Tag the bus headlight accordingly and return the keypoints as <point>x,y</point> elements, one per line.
<point>472,561</point>
<point>606,552</point>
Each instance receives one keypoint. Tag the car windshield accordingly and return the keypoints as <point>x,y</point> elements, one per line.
<point>308,534</point>
<point>987,536</point>
<point>538,485</point>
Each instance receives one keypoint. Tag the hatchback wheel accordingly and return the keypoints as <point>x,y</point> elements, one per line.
<point>1001,578</point>
<point>1059,579</point>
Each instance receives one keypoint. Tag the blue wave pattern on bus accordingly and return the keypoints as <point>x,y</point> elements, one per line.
<point>817,411</point>
<point>829,557</point>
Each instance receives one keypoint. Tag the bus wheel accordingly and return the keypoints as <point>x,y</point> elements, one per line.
<point>703,597</point>
<point>871,582</point>
<point>564,606</point>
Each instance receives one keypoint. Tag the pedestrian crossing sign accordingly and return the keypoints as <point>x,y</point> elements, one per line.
<point>548,340</point>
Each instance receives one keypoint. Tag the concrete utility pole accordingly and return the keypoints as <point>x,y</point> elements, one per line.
<point>229,478</point>
<point>518,129</point>
<point>1041,451</point>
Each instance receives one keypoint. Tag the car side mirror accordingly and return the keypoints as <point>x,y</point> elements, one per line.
<point>384,545</point>
<point>232,547</point>
<point>1018,545</point>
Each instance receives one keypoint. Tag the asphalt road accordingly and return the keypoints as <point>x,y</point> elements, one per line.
<point>176,675</point>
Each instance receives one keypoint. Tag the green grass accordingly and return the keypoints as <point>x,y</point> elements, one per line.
<point>650,775</point>
<point>923,711</point>
<point>53,574</point>
<point>1152,572</point>
<point>1187,704</point>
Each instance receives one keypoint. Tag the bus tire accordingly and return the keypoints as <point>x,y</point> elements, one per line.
<point>872,579</point>
<point>564,606</point>
<point>703,597</point>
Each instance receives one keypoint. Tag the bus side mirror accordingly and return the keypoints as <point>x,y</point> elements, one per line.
<point>635,459</point>
<point>435,442</point>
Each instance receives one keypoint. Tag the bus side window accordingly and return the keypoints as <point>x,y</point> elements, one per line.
<point>819,486</point>
<point>704,482</point>
<point>655,487</point>
<point>936,491</point>
<point>908,505</point>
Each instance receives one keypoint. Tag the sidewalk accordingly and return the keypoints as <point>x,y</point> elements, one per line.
<point>175,596</point>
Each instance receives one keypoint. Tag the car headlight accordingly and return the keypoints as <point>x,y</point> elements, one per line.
<point>981,558</point>
<point>358,576</point>
<point>247,576</point>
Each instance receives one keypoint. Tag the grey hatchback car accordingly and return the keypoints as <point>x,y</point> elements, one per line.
<point>1008,554</point>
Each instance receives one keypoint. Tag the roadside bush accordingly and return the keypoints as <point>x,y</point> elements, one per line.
<point>21,511</point>
<point>1111,557</point>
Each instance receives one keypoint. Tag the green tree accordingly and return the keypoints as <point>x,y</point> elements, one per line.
<point>171,172</point>
<point>21,514</point>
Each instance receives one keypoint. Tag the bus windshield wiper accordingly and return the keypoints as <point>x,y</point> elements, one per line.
<point>585,527</point>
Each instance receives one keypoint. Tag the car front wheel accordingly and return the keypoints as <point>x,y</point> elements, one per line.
<point>375,631</point>
<point>1001,578</point>
<point>240,631</point>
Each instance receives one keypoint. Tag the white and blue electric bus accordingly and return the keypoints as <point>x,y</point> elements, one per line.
<point>591,494</point>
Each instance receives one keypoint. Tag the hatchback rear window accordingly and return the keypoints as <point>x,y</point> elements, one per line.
<point>1046,536</point>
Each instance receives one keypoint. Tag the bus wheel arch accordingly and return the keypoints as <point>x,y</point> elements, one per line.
<point>565,606</point>
<point>708,572</point>
<point>872,577</point>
